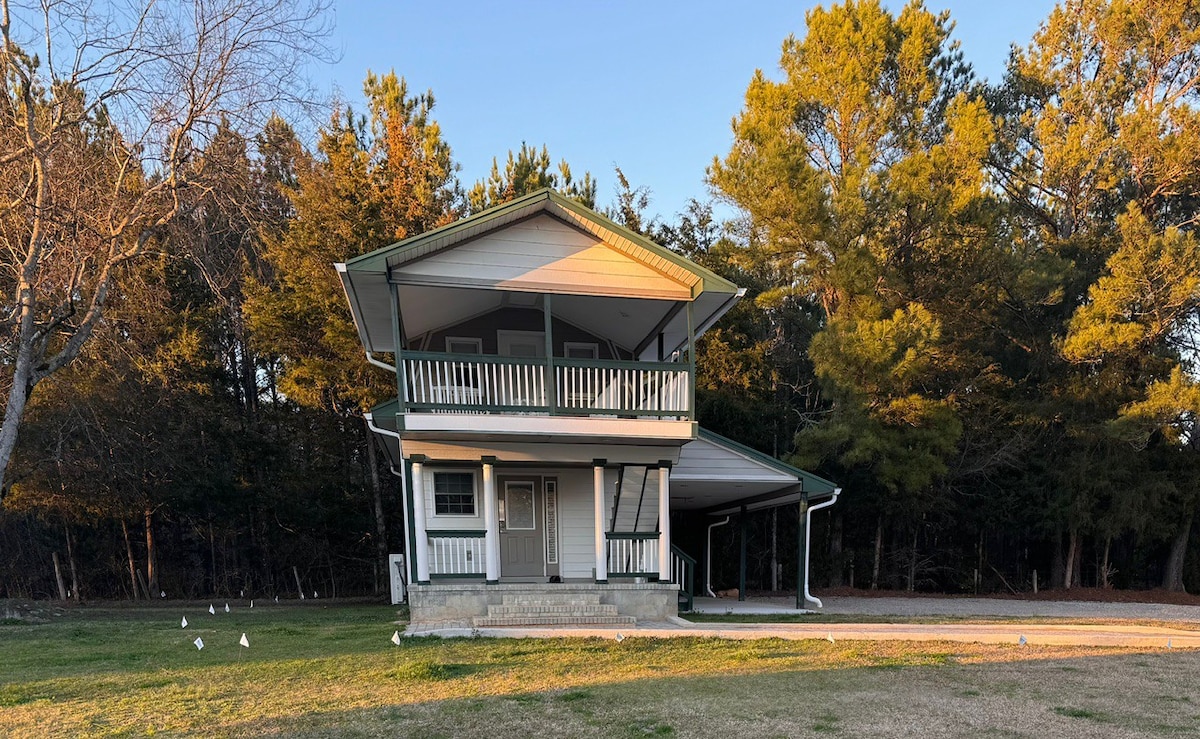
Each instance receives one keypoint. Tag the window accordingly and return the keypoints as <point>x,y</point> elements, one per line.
<point>460,345</point>
<point>581,350</point>
<point>453,494</point>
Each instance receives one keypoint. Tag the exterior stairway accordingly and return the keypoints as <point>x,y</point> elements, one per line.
<point>552,609</point>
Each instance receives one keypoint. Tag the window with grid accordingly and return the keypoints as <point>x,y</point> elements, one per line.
<point>453,494</point>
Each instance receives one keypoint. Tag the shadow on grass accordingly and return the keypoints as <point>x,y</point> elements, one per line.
<point>1144,695</point>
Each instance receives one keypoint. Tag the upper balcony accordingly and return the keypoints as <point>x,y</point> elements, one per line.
<point>539,317</point>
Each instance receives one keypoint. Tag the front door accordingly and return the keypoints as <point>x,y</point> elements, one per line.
<point>521,543</point>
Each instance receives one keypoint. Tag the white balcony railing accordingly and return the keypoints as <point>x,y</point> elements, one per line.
<point>632,555</point>
<point>456,553</point>
<point>466,383</point>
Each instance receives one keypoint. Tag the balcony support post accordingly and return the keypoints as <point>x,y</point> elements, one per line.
<point>691,347</point>
<point>398,341</point>
<point>551,380</point>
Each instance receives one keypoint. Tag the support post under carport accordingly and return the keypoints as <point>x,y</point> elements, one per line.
<point>742,554</point>
<point>801,550</point>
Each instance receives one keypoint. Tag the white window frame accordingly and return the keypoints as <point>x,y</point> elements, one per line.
<point>569,345</point>
<point>474,492</point>
<point>478,342</point>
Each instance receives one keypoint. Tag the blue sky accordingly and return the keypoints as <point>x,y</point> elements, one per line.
<point>649,86</point>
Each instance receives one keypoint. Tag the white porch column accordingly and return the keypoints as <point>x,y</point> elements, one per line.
<point>664,522</point>
<point>421,545</point>
<point>598,502</point>
<point>491,520</point>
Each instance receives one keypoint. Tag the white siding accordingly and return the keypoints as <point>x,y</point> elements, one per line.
<point>577,545</point>
<point>545,254</point>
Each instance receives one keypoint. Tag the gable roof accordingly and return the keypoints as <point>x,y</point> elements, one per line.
<point>546,200</point>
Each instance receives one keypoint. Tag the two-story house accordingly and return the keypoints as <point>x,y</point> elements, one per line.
<point>544,425</point>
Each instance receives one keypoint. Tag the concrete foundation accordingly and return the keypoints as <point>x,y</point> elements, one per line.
<point>457,605</point>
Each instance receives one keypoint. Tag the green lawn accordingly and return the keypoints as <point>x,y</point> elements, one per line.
<point>331,670</point>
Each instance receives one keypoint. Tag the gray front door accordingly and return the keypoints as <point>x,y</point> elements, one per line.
<point>521,545</point>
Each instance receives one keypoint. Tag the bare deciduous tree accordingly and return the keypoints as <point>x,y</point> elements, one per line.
<point>104,107</point>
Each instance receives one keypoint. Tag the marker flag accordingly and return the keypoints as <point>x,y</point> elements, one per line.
<point>620,637</point>
<point>251,602</point>
<point>183,623</point>
<point>396,638</point>
<point>244,641</point>
<point>227,608</point>
<point>1022,641</point>
<point>829,638</point>
<point>199,643</point>
<point>211,610</point>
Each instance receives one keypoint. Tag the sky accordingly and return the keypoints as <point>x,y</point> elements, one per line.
<point>650,86</point>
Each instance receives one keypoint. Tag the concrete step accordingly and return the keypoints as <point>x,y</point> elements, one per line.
<point>563,609</point>
<point>551,599</point>
<point>489,621</point>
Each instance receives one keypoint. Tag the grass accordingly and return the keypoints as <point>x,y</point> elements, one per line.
<point>331,670</point>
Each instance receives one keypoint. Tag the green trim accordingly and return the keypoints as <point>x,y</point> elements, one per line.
<point>457,576</point>
<point>641,535</point>
<point>819,485</point>
<point>634,574</point>
<point>455,533</point>
<point>410,556</point>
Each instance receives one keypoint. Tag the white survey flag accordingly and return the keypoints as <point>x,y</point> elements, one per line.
<point>212,610</point>
<point>199,643</point>
<point>620,637</point>
<point>244,641</point>
<point>251,602</point>
<point>183,623</point>
<point>396,638</point>
<point>1022,641</point>
<point>227,608</point>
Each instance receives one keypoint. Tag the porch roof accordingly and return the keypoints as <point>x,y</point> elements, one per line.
<point>718,476</point>
<point>654,277</point>
<point>714,474</point>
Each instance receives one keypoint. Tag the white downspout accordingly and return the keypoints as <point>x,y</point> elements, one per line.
<point>382,365</point>
<point>708,558</point>
<point>808,540</point>
<point>403,485</point>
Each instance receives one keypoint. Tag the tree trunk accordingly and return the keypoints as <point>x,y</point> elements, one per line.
<point>133,581</point>
<point>1105,582</point>
<point>381,547</point>
<point>152,589</point>
<point>1173,573</point>
<point>1071,563</point>
<point>71,565</point>
<point>878,553</point>
<point>1057,561</point>
<point>58,578</point>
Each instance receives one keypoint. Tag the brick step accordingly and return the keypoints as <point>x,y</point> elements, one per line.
<point>565,609</point>
<point>487,621</point>
<point>551,599</point>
